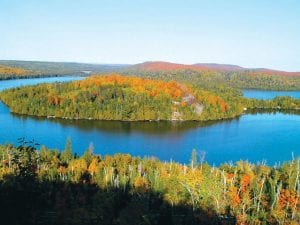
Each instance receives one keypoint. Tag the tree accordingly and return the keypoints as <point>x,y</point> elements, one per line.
<point>67,155</point>
<point>88,154</point>
<point>193,159</point>
<point>202,158</point>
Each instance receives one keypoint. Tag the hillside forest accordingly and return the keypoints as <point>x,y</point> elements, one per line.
<point>51,187</point>
<point>209,75</point>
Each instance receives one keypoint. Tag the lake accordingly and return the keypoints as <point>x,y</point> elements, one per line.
<point>262,94</point>
<point>271,137</point>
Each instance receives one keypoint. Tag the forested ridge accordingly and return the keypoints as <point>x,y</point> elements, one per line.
<point>241,80</point>
<point>116,97</point>
<point>16,69</point>
<point>200,74</point>
<point>13,72</point>
<point>51,187</point>
<point>7,72</point>
<point>212,75</point>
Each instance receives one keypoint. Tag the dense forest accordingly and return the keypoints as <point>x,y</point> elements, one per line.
<point>127,98</point>
<point>234,79</point>
<point>117,97</point>
<point>277,103</point>
<point>7,72</point>
<point>53,187</point>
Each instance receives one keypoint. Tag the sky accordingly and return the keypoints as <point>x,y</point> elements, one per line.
<point>249,33</point>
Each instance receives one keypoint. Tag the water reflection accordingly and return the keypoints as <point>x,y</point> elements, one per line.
<point>144,127</point>
<point>273,111</point>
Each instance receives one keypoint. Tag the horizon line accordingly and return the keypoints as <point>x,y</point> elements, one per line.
<point>148,61</point>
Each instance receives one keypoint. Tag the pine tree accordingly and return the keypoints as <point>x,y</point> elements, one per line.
<point>67,155</point>
<point>88,154</point>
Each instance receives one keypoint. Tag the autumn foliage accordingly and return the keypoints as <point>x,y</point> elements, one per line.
<point>6,70</point>
<point>116,97</point>
<point>159,66</point>
<point>80,188</point>
<point>139,85</point>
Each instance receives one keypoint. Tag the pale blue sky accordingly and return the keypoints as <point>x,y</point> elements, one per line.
<point>251,33</point>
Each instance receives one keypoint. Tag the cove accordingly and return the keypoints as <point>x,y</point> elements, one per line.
<point>268,136</point>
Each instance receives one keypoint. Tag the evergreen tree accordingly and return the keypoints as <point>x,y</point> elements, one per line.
<point>67,155</point>
<point>88,154</point>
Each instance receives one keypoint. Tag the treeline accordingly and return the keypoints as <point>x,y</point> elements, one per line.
<point>7,72</point>
<point>277,103</point>
<point>247,79</point>
<point>116,97</point>
<point>52,187</point>
<point>263,81</point>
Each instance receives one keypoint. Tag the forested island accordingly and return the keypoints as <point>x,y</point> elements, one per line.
<point>116,97</point>
<point>128,98</point>
<point>51,187</point>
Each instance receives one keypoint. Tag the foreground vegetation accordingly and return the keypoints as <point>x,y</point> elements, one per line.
<point>118,97</point>
<point>52,187</point>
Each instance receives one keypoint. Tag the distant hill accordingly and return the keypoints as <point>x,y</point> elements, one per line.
<point>36,68</point>
<point>8,70</point>
<point>221,67</point>
<point>201,74</point>
<point>214,76</point>
<point>273,72</point>
<point>60,68</point>
<point>158,66</point>
<point>164,66</point>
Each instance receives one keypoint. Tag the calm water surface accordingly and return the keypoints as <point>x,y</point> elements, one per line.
<point>255,137</point>
<point>261,94</point>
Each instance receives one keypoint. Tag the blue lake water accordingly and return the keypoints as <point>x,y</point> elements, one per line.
<point>272,137</point>
<point>262,94</point>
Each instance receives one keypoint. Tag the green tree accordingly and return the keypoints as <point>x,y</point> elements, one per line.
<point>88,154</point>
<point>67,155</point>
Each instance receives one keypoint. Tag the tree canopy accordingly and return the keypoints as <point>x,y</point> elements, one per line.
<point>115,97</point>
